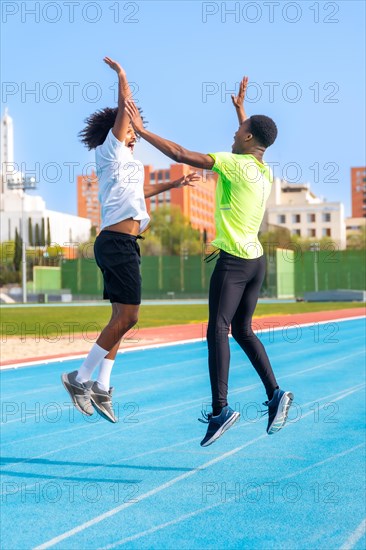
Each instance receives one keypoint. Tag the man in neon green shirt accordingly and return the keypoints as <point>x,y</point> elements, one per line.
<point>243,187</point>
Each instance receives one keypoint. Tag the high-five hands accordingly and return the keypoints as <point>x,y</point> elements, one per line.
<point>134,115</point>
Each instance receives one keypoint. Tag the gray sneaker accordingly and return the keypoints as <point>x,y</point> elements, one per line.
<point>102,402</point>
<point>79,393</point>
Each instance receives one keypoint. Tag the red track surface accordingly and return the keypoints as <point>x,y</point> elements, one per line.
<point>176,333</point>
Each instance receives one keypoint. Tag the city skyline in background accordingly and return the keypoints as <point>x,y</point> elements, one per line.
<point>293,207</point>
<point>300,74</point>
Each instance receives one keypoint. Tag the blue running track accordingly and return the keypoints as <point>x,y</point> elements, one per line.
<point>72,482</point>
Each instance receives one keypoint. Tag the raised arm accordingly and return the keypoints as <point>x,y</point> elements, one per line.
<point>152,190</point>
<point>238,101</point>
<point>169,148</point>
<point>122,120</point>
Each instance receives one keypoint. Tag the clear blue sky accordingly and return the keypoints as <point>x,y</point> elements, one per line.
<point>184,56</point>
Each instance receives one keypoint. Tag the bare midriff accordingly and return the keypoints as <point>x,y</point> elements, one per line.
<point>130,226</point>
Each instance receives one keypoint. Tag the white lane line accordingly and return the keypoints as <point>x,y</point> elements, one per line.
<point>179,411</point>
<point>154,491</point>
<point>117,433</point>
<point>340,394</point>
<point>172,364</point>
<point>177,342</point>
<point>355,536</point>
<point>41,362</point>
<point>238,390</point>
<point>158,489</point>
<point>211,506</point>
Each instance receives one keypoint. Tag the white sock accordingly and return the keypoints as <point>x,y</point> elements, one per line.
<point>104,374</point>
<point>94,357</point>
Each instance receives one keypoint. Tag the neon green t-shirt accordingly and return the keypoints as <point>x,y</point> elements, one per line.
<point>243,187</point>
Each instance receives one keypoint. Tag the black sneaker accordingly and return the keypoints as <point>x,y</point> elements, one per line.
<point>278,409</point>
<point>102,402</point>
<point>217,425</point>
<point>78,392</point>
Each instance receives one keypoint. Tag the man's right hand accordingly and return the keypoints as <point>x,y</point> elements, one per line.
<point>238,100</point>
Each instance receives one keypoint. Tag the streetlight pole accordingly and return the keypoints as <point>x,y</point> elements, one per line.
<point>315,247</point>
<point>24,255</point>
<point>25,183</point>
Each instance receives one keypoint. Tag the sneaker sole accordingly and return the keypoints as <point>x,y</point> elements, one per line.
<point>282,413</point>
<point>66,383</point>
<point>223,429</point>
<point>101,412</point>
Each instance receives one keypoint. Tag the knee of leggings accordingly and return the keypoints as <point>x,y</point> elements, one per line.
<point>241,332</point>
<point>217,330</point>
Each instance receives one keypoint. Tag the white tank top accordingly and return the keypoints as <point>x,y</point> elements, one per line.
<point>121,183</point>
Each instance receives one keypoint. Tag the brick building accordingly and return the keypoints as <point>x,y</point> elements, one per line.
<point>358,192</point>
<point>196,203</point>
<point>87,197</point>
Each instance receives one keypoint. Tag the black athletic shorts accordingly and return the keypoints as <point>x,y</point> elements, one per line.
<point>118,257</point>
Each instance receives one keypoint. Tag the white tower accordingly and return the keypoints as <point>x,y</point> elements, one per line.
<point>7,139</point>
<point>7,167</point>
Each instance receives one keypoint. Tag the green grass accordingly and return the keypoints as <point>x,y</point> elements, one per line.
<point>48,321</point>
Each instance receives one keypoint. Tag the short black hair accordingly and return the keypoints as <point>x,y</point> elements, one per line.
<point>98,125</point>
<point>263,129</point>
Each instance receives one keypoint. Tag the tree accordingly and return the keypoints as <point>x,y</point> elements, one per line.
<point>151,246</point>
<point>17,259</point>
<point>278,237</point>
<point>43,233</point>
<point>357,240</point>
<point>37,240</point>
<point>304,244</point>
<point>30,232</point>
<point>173,230</point>
<point>48,241</point>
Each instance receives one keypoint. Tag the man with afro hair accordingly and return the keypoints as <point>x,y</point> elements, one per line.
<point>243,187</point>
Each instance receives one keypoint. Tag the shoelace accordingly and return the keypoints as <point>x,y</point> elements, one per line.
<point>86,394</point>
<point>266,411</point>
<point>207,417</point>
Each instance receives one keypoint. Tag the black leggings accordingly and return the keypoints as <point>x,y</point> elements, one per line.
<point>234,291</point>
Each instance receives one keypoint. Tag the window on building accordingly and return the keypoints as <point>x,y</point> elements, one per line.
<point>281,218</point>
<point>160,176</point>
<point>311,218</point>
<point>167,175</point>
<point>152,178</point>
<point>167,195</point>
<point>296,232</point>
<point>326,217</point>
<point>296,218</point>
<point>326,232</point>
<point>311,233</point>
<point>152,206</point>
